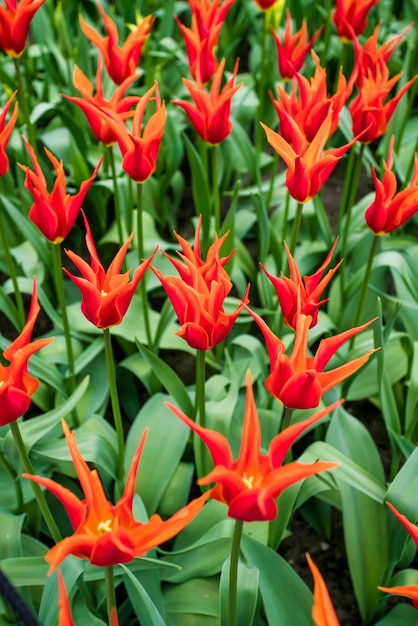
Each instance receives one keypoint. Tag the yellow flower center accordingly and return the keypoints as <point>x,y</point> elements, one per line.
<point>105,527</point>
<point>248,482</point>
<point>103,293</point>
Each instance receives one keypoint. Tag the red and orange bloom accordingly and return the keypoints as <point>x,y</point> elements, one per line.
<point>95,107</point>
<point>390,209</point>
<point>407,591</point>
<point>211,114</point>
<point>5,132</point>
<point>15,19</point>
<point>198,294</point>
<point>297,295</point>
<point>292,49</point>
<point>299,381</point>
<point>140,147</point>
<point>323,612</point>
<point>53,213</point>
<point>104,533</point>
<point>64,616</point>
<point>350,17</point>
<point>265,5</point>
<point>120,61</point>
<point>202,37</point>
<point>16,384</point>
<point>250,484</point>
<point>106,295</point>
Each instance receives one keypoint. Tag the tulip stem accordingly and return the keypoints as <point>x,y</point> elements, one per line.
<point>110,592</point>
<point>114,399</point>
<point>116,197</point>
<point>12,271</point>
<point>141,252</point>
<point>200,409</point>
<point>39,494</point>
<point>215,190</point>
<point>59,286</point>
<point>259,132</point>
<point>22,91</point>
<point>233,571</point>
<point>296,228</point>
<point>287,418</point>
<point>364,287</point>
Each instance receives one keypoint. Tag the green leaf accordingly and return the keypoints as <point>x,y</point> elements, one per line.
<point>247,594</point>
<point>149,614</point>
<point>194,602</point>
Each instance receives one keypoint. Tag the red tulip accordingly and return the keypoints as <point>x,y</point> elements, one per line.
<point>323,612</point>
<point>120,61</point>
<point>250,484</point>
<point>5,132</point>
<point>16,384</point>
<point>53,213</point>
<point>265,5</point>
<point>15,19</point>
<point>64,616</point>
<point>211,114</point>
<point>104,533</point>
<point>350,16</point>
<point>106,295</point>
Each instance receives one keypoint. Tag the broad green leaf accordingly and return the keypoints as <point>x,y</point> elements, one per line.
<point>71,568</point>
<point>10,535</point>
<point>400,615</point>
<point>149,614</point>
<point>246,594</point>
<point>195,601</point>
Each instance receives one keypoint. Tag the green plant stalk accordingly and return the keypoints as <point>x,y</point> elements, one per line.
<point>39,495</point>
<point>259,132</point>
<point>12,271</point>
<point>114,399</point>
<point>110,592</point>
<point>287,418</point>
<point>346,187</point>
<point>116,196</point>
<point>233,571</point>
<point>200,408</point>
<point>215,190</point>
<point>327,33</point>
<point>141,252</point>
<point>23,101</point>
<point>364,286</point>
<point>352,183</point>
<point>295,229</point>
<point>272,179</point>
<point>59,286</point>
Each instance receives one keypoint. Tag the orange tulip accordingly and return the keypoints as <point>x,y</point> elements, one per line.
<point>350,17</point>
<point>296,295</point>
<point>64,615</point>
<point>104,533</point>
<point>5,132</point>
<point>106,295</point>
<point>250,484</point>
<point>211,114</point>
<point>15,19</point>
<point>323,612</point>
<point>265,5</point>
<point>298,380</point>
<point>120,61</point>
<point>16,384</point>
<point>199,293</point>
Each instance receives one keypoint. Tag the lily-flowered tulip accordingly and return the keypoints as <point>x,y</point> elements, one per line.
<point>15,19</point>
<point>198,294</point>
<point>323,612</point>
<point>407,591</point>
<point>64,616</point>
<point>266,5</point>
<point>350,17</point>
<point>301,295</point>
<point>5,132</point>
<point>106,295</point>
<point>390,209</point>
<point>299,381</point>
<point>16,385</point>
<point>211,114</point>
<point>292,49</point>
<point>95,107</point>
<point>202,37</point>
<point>104,533</point>
<point>53,213</point>
<point>140,147</point>
<point>120,61</point>
<point>250,484</point>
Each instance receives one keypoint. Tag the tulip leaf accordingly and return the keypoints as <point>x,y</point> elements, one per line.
<point>400,615</point>
<point>71,568</point>
<point>200,184</point>
<point>246,594</point>
<point>192,603</point>
<point>25,571</point>
<point>147,612</point>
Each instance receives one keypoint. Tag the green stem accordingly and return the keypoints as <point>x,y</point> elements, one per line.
<point>116,196</point>
<point>272,179</point>
<point>287,418</point>
<point>23,101</point>
<point>59,286</point>
<point>285,217</point>
<point>296,228</point>
<point>365,285</point>
<point>114,399</point>
<point>12,271</point>
<point>233,572</point>
<point>141,252</point>
<point>327,33</point>
<point>200,409</point>
<point>215,190</point>
<point>352,183</point>
<point>346,187</point>
<point>261,88</point>
<point>110,592</point>
<point>39,495</point>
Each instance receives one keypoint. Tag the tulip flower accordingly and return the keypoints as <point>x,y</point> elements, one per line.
<point>350,16</point>
<point>95,107</point>
<point>16,385</point>
<point>15,19</point>
<point>299,381</point>
<point>104,533</point>
<point>407,591</point>
<point>265,5</point>
<point>211,114</point>
<point>202,37</point>
<point>5,132</point>
<point>139,147</point>
<point>390,210</point>
<point>292,49</point>
<point>323,612</point>
<point>64,615</point>
<point>53,213</point>
<point>296,295</point>
<point>120,61</point>
<point>250,484</point>
<point>106,295</point>
<point>199,293</point>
